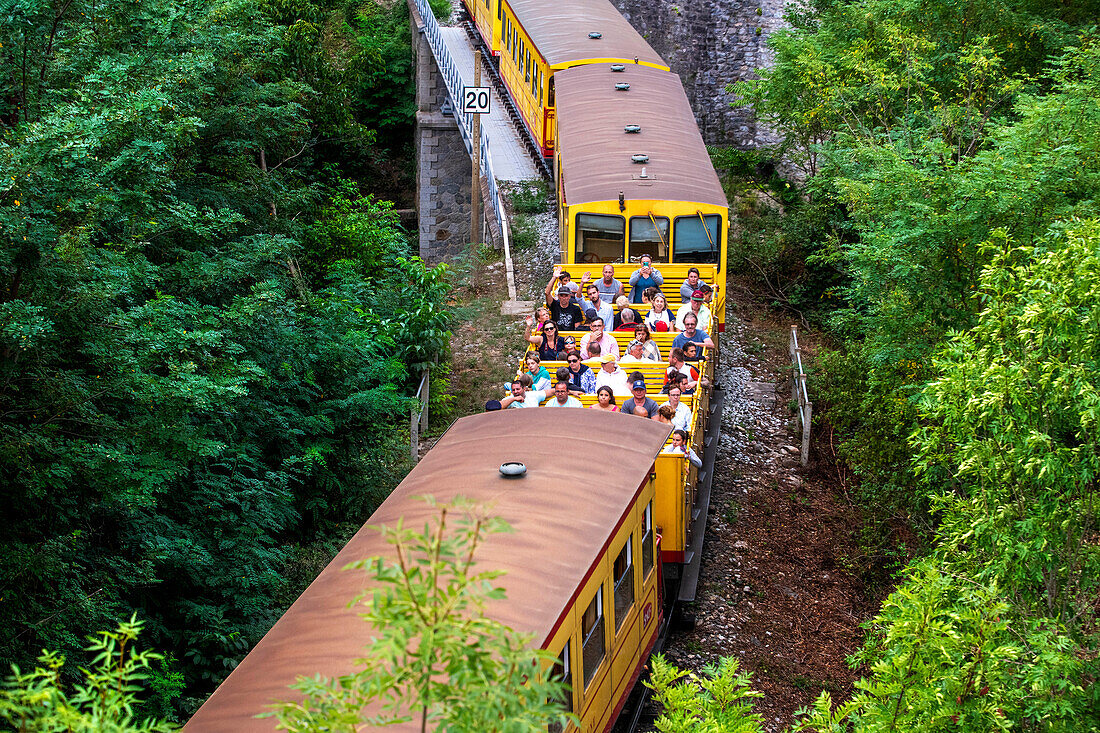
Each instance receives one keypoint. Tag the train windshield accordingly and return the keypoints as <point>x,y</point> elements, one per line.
<point>649,236</point>
<point>694,242</point>
<point>600,238</point>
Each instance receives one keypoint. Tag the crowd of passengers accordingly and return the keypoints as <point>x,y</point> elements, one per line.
<point>593,365</point>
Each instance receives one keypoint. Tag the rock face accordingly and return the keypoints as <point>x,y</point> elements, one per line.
<point>710,44</point>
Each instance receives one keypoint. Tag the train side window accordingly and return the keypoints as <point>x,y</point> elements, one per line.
<point>694,242</point>
<point>647,541</point>
<point>649,236</point>
<point>600,238</point>
<point>561,671</point>
<point>527,67</point>
<point>550,94</point>
<point>624,583</point>
<point>593,633</point>
<point>500,9</point>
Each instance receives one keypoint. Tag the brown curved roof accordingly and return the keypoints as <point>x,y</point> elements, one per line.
<point>560,31</point>
<point>584,468</point>
<point>596,151</point>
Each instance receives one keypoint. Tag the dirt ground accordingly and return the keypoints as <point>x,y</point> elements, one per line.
<point>774,591</point>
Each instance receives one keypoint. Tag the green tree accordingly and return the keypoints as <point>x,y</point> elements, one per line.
<point>717,701</point>
<point>437,658</point>
<point>105,700</point>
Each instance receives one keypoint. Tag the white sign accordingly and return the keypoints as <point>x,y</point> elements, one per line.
<point>475,100</point>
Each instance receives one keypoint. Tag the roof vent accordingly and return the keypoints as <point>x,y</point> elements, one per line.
<point>618,67</point>
<point>595,34</point>
<point>633,129</point>
<point>513,469</point>
<point>622,86</point>
<point>639,158</point>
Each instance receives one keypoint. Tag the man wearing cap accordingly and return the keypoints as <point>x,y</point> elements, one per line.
<point>523,397</point>
<point>644,277</point>
<point>696,306</point>
<point>690,285</point>
<point>562,398</point>
<point>607,342</point>
<point>611,375</point>
<point>563,311</point>
<point>639,404</point>
<point>609,287</point>
<point>691,333</point>
<point>561,279</point>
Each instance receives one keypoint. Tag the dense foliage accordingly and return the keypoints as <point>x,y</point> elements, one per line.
<point>204,326</point>
<point>950,158</point>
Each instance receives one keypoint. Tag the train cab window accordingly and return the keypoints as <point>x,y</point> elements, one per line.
<point>561,671</point>
<point>592,632</point>
<point>550,94</point>
<point>647,541</point>
<point>624,584</point>
<point>600,238</point>
<point>649,236</point>
<point>696,239</point>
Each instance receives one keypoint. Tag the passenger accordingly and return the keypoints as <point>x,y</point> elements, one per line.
<point>595,302</point>
<point>664,414</point>
<point>649,346</point>
<point>523,397</point>
<point>690,285</point>
<point>571,348</point>
<point>708,293</point>
<point>640,404</point>
<point>582,380</point>
<point>561,279</point>
<point>696,306</point>
<point>539,376</point>
<point>691,333</point>
<point>605,400</point>
<point>593,351</point>
<point>612,376</point>
<point>492,405</point>
<point>676,364</point>
<point>627,320</point>
<point>635,353</point>
<point>660,318</point>
<point>647,295</point>
<point>542,317</point>
<point>691,352</point>
<point>607,342</point>
<point>562,398</point>
<point>548,343</point>
<point>609,287</point>
<point>564,311</point>
<point>680,445</point>
<point>644,277</point>
<point>681,413</point>
<point>675,380</point>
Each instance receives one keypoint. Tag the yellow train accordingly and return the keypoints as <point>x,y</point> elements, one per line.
<point>582,566</point>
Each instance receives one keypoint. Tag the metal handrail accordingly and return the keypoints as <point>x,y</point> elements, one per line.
<point>800,394</point>
<point>418,418</point>
<point>452,78</point>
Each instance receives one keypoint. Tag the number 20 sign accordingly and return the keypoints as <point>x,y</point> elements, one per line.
<point>475,100</point>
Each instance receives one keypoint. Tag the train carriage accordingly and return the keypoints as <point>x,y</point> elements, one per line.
<point>634,178</point>
<point>582,565</point>
<point>539,40</point>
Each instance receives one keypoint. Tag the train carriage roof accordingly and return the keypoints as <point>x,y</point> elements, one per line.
<point>583,471</point>
<point>596,150</point>
<point>560,31</point>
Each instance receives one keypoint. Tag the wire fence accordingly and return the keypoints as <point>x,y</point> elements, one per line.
<point>799,393</point>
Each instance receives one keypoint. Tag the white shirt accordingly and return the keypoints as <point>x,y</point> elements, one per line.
<point>616,380</point>
<point>686,452</point>
<point>682,418</point>
<point>652,317</point>
<point>703,314</point>
<point>531,399</point>
<point>570,401</point>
